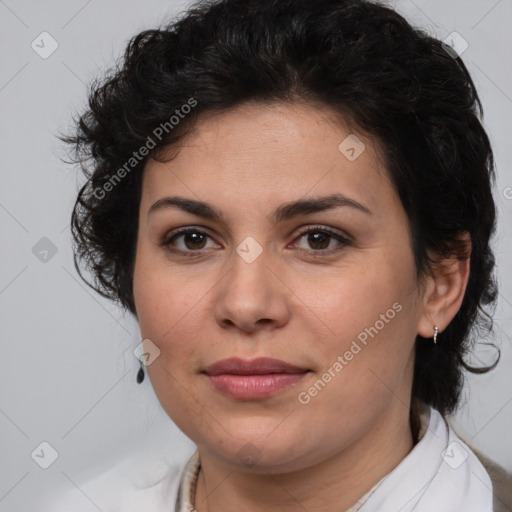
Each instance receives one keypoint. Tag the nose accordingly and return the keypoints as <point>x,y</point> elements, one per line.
<point>251,297</point>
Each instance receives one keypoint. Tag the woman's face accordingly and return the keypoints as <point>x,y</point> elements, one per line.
<point>341,302</point>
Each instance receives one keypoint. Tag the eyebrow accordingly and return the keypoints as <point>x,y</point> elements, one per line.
<point>284,212</point>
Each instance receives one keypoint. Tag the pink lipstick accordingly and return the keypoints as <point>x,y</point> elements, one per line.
<point>253,379</point>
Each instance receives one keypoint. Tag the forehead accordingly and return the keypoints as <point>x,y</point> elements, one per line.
<point>269,153</point>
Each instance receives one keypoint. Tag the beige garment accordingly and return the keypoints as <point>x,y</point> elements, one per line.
<point>501,482</point>
<point>501,479</point>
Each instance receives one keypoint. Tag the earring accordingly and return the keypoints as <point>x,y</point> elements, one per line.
<point>436,331</point>
<point>140,374</point>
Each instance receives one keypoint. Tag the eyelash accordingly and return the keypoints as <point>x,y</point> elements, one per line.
<point>344,241</point>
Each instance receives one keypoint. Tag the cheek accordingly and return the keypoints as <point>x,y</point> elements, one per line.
<point>353,299</point>
<point>171,308</point>
<point>161,297</point>
<point>169,319</point>
<point>373,315</point>
<point>168,315</point>
<point>366,362</point>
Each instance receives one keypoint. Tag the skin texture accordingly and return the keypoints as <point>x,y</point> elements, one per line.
<point>286,304</point>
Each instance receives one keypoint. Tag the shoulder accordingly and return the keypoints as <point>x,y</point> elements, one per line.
<point>441,473</point>
<point>501,480</point>
<point>501,483</point>
<point>461,478</point>
<point>131,485</point>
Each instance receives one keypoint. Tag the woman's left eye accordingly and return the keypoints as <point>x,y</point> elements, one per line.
<point>319,239</point>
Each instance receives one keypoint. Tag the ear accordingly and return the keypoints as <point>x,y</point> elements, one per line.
<point>444,291</point>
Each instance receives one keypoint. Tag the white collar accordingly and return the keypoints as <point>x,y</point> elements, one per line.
<point>440,474</point>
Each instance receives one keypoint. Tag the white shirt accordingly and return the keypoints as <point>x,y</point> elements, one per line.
<point>440,474</point>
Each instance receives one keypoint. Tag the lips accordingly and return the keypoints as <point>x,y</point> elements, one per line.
<point>258,366</point>
<point>254,379</point>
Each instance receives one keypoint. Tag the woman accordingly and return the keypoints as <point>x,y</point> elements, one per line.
<point>294,200</point>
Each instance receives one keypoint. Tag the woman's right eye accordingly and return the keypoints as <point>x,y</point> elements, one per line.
<point>192,240</point>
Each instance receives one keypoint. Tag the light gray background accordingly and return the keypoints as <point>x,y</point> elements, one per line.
<point>68,373</point>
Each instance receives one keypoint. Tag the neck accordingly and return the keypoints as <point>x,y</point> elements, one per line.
<point>334,484</point>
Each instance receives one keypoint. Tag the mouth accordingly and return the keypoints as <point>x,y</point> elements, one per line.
<point>253,379</point>
<point>258,366</point>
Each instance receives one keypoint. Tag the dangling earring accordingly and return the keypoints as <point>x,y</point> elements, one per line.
<point>140,374</point>
<point>436,330</point>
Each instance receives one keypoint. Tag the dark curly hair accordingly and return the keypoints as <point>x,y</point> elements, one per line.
<point>357,57</point>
